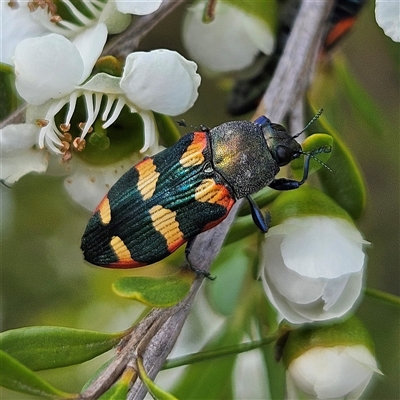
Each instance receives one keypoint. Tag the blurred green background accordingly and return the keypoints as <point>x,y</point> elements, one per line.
<point>45,282</point>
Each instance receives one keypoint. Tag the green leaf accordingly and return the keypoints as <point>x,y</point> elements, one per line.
<point>307,200</point>
<point>242,227</point>
<point>364,107</point>
<point>211,379</point>
<point>17,377</point>
<point>349,332</point>
<point>155,292</point>
<point>346,183</point>
<point>339,92</point>
<point>311,143</point>
<point>9,101</point>
<point>97,373</point>
<point>155,390</point>
<point>230,266</point>
<point>120,389</point>
<point>44,347</point>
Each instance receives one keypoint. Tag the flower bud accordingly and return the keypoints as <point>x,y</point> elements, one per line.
<point>313,261</point>
<point>327,362</point>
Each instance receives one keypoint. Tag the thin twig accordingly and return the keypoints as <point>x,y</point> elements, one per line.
<point>292,74</point>
<point>17,117</point>
<point>128,41</point>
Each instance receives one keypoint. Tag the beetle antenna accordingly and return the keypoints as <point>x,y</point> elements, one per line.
<point>181,123</point>
<point>322,149</point>
<point>314,118</point>
<point>3,182</point>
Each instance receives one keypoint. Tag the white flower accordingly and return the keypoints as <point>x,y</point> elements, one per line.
<point>18,154</point>
<point>230,42</point>
<point>335,372</point>
<point>50,74</point>
<point>34,18</point>
<point>87,184</point>
<point>312,268</point>
<point>387,14</point>
<point>16,25</point>
<point>149,82</point>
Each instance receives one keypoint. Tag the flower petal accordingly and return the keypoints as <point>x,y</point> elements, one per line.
<point>292,285</point>
<point>228,43</point>
<point>18,157</point>
<point>90,44</point>
<point>87,184</point>
<point>322,247</point>
<point>103,83</point>
<point>115,21</point>
<point>46,67</point>
<point>387,14</point>
<point>332,372</point>
<point>15,138</point>
<point>160,80</point>
<point>288,271</point>
<point>30,160</point>
<point>19,26</point>
<point>138,7</point>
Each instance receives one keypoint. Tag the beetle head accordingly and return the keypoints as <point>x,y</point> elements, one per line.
<point>282,146</point>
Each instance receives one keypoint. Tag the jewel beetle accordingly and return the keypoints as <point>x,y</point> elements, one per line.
<point>166,200</point>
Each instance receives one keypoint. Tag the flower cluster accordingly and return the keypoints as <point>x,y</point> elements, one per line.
<point>71,113</point>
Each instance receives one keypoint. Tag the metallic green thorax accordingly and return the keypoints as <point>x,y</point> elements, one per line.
<point>248,154</point>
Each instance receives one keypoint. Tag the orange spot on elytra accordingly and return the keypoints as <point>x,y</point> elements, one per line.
<point>194,153</point>
<point>164,222</point>
<point>148,178</point>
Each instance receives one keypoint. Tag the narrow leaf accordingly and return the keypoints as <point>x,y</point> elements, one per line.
<point>17,377</point>
<point>120,389</point>
<point>155,390</point>
<point>364,107</point>
<point>312,143</point>
<point>44,347</point>
<point>9,99</point>
<point>211,379</point>
<point>346,183</point>
<point>155,292</point>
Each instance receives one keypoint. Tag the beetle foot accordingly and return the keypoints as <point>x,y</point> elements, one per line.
<point>198,271</point>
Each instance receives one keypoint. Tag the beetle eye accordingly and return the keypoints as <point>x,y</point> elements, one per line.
<point>283,155</point>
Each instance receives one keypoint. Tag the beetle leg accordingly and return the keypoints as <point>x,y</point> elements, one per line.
<point>289,184</point>
<point>259,219</point>
<point>198,271</point>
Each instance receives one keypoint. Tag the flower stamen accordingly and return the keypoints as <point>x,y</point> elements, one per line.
<point>42,122</point>
<point>64,128</point>
<point>51,7</point>
<point>79,144</point>
<point>117,110</point>
<point>82,127</point>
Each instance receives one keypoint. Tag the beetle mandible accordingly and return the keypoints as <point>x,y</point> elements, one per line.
<point>166,200</point>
